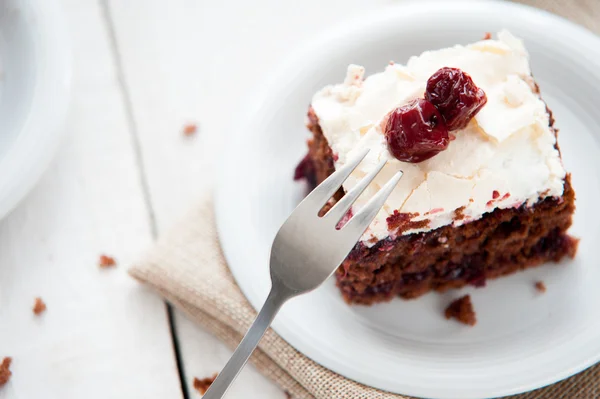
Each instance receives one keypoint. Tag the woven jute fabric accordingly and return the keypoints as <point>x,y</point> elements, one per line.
<point>187,268</point>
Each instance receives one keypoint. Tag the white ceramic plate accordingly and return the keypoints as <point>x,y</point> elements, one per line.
<point>34,90</point>
<point>523,340</point>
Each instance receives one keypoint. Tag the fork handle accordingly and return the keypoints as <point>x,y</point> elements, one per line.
<point>239,358</point>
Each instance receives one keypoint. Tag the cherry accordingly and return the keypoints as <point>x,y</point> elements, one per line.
<point>454,94</point>
<point>306,170</point>
<point>416,131</point>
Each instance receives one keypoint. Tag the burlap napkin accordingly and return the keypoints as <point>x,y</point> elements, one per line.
<point>188,269</point>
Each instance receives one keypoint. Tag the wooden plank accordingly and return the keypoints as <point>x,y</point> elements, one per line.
<point>193,61</point>
<point>102,336</point>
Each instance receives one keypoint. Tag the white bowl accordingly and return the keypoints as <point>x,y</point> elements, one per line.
<point>34,91</point>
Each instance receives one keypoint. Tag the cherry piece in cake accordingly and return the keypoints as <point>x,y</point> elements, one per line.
<point>416,131</point>
<point>306,170</point>
<point>455,95</point>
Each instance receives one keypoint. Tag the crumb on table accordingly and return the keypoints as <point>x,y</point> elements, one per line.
<point>461,309</point>
<point>540,286</point>
<point>106,261</point>
<point>5,370</point>
<point>487,36</point>
<point>202,385</point>
<point>39,306</point>
<point>190,129</point>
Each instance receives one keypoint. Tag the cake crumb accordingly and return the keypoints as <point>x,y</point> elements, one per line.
<point>39,306</point>
<point>572,244</point>
<point>461,309</point>
<point>106,261</point>
<point>202,385</point>
<point>287,395</point>
<point>459,213</point>
<point>190,129</point>
<point>487,36</point>
<point>540,286</point>
<point>5,370</point>
<point>401,222</point>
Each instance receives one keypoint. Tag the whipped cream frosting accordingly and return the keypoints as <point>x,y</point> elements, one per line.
<point>505,157</point>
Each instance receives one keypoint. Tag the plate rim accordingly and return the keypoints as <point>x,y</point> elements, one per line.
<point>585,38</point>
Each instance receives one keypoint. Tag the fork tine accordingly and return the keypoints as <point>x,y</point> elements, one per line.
<point>339,210</point>
<point>321,194</point>
<point>361,220</point>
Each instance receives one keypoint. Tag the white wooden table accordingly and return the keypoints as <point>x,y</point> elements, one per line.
<point>124,172</point>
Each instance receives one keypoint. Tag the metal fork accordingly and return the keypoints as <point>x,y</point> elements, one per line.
<point>306,251</point>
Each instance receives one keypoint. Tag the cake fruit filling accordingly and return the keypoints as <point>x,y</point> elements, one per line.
<point>454,94</point>
<point>416,131</point>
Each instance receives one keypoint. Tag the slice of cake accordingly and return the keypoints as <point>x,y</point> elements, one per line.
<point>484,191</point>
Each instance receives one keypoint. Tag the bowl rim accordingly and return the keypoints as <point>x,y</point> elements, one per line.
<point>29,155</point>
